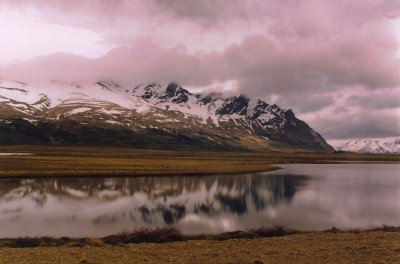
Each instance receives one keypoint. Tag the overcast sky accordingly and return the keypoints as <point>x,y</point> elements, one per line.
<point>335,63</point>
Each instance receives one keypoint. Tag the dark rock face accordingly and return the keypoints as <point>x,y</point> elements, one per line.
<point>261,108</point>
<point>289,115</point>
<point>207,99</point>
<point>177,93</point>
<point>148,91</point>
<point>171,90</point>
<point>234,105</point>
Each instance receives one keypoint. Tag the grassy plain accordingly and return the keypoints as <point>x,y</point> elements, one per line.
<point>375,246</point>
<point>57,161</point>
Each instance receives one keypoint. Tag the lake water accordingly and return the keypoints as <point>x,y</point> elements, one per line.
<point>300,196</point>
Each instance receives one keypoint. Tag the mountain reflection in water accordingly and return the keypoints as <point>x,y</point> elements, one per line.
<point>300,196</point>
<point>115,204</point>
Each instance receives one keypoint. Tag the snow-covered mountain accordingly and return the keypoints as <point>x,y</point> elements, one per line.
<point>148,115</point>
<point>372,146</point>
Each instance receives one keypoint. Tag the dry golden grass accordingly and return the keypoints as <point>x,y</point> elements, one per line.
<point>56,161</point>
<point>317,247</point>
<point>111,166</point>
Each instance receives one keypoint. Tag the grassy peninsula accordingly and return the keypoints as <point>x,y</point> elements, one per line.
<point>68,161</point>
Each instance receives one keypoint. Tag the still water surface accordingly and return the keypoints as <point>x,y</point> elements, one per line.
<point>300,196</point>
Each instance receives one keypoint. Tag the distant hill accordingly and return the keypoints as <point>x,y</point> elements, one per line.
<point>373,146</point>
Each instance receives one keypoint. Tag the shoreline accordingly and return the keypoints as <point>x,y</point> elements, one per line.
<point>167,235</point>
<point>331,246</point>
<point>134,174</point>
<point>140,174</point>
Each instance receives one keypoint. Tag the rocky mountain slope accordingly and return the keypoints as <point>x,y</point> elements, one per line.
<point>372,146</point>
<point>148,115</point>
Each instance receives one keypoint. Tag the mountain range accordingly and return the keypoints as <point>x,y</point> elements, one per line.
<point>147,116</point>
<point>372,146</point>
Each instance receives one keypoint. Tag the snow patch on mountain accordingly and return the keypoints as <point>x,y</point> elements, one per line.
<point>79,110</point>
<point>372,146</point>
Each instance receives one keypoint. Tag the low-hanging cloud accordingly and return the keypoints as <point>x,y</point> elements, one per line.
<point>384,99</point>
<point>205,12</point>
<point>305,55</point>
<point>360,124</point>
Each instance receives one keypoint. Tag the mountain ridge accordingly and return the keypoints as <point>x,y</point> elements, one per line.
<point>148,115</point>
<point>372,146</point>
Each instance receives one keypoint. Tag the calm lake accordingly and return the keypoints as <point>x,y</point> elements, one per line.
<point>300,196</point>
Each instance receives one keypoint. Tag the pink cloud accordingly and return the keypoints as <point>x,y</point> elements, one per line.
<point>300,54</point>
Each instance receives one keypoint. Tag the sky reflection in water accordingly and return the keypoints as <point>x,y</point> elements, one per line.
<point>299,196</point>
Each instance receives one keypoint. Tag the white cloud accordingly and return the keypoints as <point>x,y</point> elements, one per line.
<point>395,23</point>
<point>22,36</point>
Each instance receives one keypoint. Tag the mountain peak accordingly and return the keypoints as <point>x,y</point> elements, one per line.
<point>234,105</point>
<point>176,93</point>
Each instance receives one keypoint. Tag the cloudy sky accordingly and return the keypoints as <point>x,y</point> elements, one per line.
<point>335,63</point>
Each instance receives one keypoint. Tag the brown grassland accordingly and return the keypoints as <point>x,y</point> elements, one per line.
<point>333,246</point>
<point>56,161</point>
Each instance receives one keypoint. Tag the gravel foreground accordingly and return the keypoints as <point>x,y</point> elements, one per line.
<point>318,247</point>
